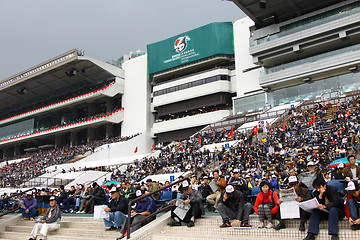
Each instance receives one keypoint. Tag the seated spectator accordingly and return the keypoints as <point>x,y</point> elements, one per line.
<point>143,208</point>
<point>266,204</point>
<point>339,172</point>
<point>232,206</point>
<point>79,196</point>
<point>352,171</point>
<point>86,198</point>
<point>303,194</point>
<point>29,207</point>
<point>213,199</point>
<point>63,195</point>
<point>352,206</point>
<point>70,200</point>
<point>152,187</point>
<point>329,199</point>
<point>97,197</point>
<point>192,198</point>
<point>129,191</point>
<point>50,221</point>
<point>117,208</point>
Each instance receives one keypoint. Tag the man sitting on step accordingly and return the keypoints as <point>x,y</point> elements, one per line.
<point>194,199</point>
<point>29,207</point>
<point>329,200</point>
<point>49,222</point>
<point>232,206</point>
<point>117,208</point>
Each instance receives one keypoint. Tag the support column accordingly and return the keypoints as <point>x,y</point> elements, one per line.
<point>16,150</point>
<point>109,104</point>
<point>90,134</point>
<point>58,141</point>
<point>73,138</point>
<point>91,109</point>
<point>109,130</point>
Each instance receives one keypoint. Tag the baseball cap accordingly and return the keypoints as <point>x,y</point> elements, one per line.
<point>311,163</point>
<point>138,193</point>
<point>52,198</point>
<point>293,180</point>
<point>236,170</point>
<point>185,184</point>
<point>113,189</point>
<point>341,165</point>
<point>352,187</point>
<point>29,193</point>
<point>229,190</point>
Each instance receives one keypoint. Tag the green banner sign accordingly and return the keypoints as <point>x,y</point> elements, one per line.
<point>206,41</point>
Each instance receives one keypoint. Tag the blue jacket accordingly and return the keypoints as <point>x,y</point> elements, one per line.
<point>148,205</point>
<point>30,204</point>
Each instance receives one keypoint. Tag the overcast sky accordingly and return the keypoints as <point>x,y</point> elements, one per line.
<point>33,31</point>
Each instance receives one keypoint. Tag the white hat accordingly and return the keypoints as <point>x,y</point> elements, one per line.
<point>52,198</point>
<point>293,179</point>
<point>352,187</point>
<point>311,163</point>
<point>341,165</point>
<point>113,189</point>
<point>229,189</point>
<point>138,193</point>
<point>185,184</point>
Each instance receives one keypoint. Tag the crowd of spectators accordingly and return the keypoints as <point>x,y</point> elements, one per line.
<point>35,164</point>
<point>304,143</point>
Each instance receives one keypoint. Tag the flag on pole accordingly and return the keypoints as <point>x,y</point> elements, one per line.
<point>199,140</point>
<point>136,149</point>
<point>179,143</point>
<point>231,133</point>
<point>152,148</point>
<point>255,129</point>
<point>283,126</point>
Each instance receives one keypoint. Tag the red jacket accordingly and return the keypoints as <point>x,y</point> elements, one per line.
<point>260,198</point>
<point>349,196</point>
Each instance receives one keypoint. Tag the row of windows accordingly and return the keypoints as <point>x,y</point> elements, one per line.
<point>192,84</point>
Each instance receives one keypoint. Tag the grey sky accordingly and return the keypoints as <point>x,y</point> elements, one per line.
<point>37,30</point>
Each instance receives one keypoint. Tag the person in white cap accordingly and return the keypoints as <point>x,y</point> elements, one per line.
<point>232,206</point>
<point>192,198</point>
<point>117,208</point>
<point>352,204</point>
<point>50,221</point>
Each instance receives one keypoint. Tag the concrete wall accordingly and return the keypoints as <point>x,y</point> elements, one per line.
<point>249,81</point>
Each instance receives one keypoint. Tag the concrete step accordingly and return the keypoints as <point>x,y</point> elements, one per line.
<point>69,224</point>
<point>81,219</point>
<point>163,236</point>
<point>254,221</point>
<point>22,236</point>
<point>86,233</point>
<point>214,231</point>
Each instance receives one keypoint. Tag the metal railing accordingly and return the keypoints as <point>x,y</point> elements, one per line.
<point>46,182</point>
<point>16,206</point>
<point>128,221</point>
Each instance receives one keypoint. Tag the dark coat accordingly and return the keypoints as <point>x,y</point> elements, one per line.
<point>120,204</point>
<point>333,196</point>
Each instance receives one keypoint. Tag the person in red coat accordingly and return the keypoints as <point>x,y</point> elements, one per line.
<point>266,204</point>
<point>352,206</point>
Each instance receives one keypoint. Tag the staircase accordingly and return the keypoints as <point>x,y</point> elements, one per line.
<point>87,228</point>
<point>84,228</point>
<point>208,228</point>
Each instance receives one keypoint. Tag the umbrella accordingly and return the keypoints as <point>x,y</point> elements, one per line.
<point>110,182</point>
<point>341,160</point>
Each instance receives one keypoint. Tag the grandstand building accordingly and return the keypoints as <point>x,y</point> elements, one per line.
<point>306,51</point>
<point>67,100</point>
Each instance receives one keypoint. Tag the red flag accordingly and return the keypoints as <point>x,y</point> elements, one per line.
<point>231,133</point>
<point>224,130</point>
<point>34,164</point>
<point>255,129</point>
<point>199,140</point>
<point>136,149</point>
<point>347,113</point>
<point>283,126</point>
<point>313,120</point>
<point>152,148</point>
